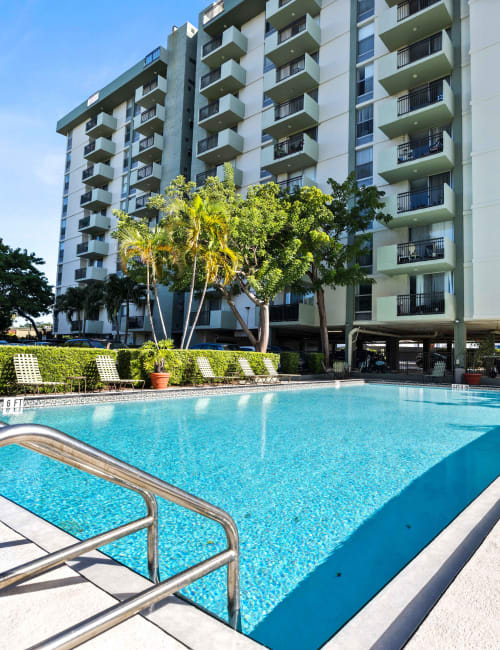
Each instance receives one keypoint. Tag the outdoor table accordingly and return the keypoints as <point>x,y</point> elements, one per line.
<point>79,379</point>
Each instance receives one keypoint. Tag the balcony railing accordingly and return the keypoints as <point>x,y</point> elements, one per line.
<point>292,30</point>
<point>146,143</point>
<point>290,69</point>
<point>209,110</point>
<point>420,50</point>
<point>295,144</point>
<point>421,251</point>
<point>410,7</point>
<point>89,148</point>
<point>288,108</point>
<point>82,248</point>
<point>136,322</point>
<point>80,274</point>
<point>76,325</point>
<point>147,115</point>
<point>210,78</point>
<point>416,149</point>
<point>87,173</point>
<point>142,201</point>
<point>208,143</point>
<point>201,178</point>
<point>290,184</point>
<point>420,98</point>
<point>284,313</point>
<point>145,172</point>
<point>91,123</point>
<point>85,198</point>
<point>204,318</point>
<point>212,45</point>
<point>83,223</point>
<point>282,3</point>
<point>421,303</point>
<point>420,199</point>
<point>147,88</point>
<point>213,11</point>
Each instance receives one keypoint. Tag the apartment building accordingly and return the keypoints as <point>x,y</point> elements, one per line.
<point>400,93</point>
<point>127,141</point>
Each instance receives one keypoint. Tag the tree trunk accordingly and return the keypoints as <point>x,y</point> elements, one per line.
<point>127,315</point>
<point>264,328</point>
<point>148,302</point>
<point>240,319</point>
<point>190,302</point>
<point>193,327</point>
<point>117,327</point>
<point>32,321</point>
<point>155,290</point>
<point>323,327</point>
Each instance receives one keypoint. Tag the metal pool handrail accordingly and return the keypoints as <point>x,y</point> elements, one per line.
<point>59,446</point>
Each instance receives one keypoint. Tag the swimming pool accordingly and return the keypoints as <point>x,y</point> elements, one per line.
<point>333,491</point>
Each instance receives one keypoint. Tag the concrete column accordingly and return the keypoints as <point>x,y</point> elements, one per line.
<point>426,355</point>
<point>392,353</point>
<point>460,351</point>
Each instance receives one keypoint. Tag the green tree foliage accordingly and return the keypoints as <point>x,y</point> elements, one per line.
<point>24,289</point>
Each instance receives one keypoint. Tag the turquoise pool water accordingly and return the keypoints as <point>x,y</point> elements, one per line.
<point>333,491</point>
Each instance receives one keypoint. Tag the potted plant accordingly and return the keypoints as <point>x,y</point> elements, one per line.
<point>472,376</point>
<point>153,360</point>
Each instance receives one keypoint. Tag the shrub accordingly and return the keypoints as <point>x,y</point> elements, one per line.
<point>315,363</point>
<point>289,363</point>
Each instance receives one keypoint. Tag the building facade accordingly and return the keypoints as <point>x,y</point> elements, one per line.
<point>300,91</point>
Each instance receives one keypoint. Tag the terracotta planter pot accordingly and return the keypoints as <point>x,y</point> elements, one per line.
<point>160,380</point>
<point>472,378</point>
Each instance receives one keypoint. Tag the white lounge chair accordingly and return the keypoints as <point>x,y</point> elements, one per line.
<point>248,373</point>
<point>205,368</point>
<point>108,373</point>
<point>28,373</point>
<point>275,374</point>
<point>438,370</point>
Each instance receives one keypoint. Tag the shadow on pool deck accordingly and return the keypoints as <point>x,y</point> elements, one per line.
<point>380,548</point>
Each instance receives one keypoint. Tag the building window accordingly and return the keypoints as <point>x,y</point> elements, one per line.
<point>130,108</point>
<point>266,137</point>
<point>68,162</point>
<point>268,65</point>
<point>69,141</point>
<point>266,101</point>
<point>365,9</point>
<point>61,253</point>
<point>65,207</point>
<point>363,302</point>
<point>364,166</point>
<point>66,184</point>
<point>124,186</point>
<point>364,89</point>
<point>269,29</point>
<point>59,274</point>
<point>366,41</point>
<point>126,161</point>
<point>63,228</point>
<point>152,56</point>
<point>213,11</point>
<point>128,134</point>
<point>365,258</point>
<point>364,125</point>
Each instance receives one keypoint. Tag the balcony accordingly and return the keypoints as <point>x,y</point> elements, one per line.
<point>148,149</point>
<point>231,44</point>
<point>101,125</point>
<point>296,183</point>
<point>426,256</point>
<point>413,19</point>
<point>293,315</point>
<point>99,150</point>
<point>417,64</point>
<point>96,200</point>
<point>419,109</point>
<point>97,175</point>
<point>218,172</point>
<point>303,35</point>
<point>89,273</point>
<point>146,179</point>
<point>220,147</point>
<point>223,113</point>
<point>421,207</point>
<point>418,158</point>
<point>298,114</point>
<point>92,249</point>
<point>296,153</point>
<point>94,327</point>
<point>220,319</point>
<point>281,13</point>
<point>433,307</point>
<point>150,121</point>
<point>292,80</point>
<point>152,93</point>
<point>136,323</point>
<point>228,79</point>
<point>138,206</point>
<point>94,223</point>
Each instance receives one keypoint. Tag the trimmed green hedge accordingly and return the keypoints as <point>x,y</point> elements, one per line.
<point>315,363</point>
<point>289,363</point>
<point>57,363</point>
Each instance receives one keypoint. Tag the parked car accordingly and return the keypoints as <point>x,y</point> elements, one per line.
<point>215,346</point>
<point>4,343</point>
<point>247,348</point>
<point>95,343</point>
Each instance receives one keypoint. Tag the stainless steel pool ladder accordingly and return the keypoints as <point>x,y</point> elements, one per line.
<point>59,446</point>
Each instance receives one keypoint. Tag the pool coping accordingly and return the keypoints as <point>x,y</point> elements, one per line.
<point>180,618</point>
<point>393,615</point>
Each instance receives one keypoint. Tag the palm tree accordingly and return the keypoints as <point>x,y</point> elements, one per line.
<point>70,302</point>
<point>93,295</point>
<point>113,300</point>
<point>133,294</point>
<point>150,247</point>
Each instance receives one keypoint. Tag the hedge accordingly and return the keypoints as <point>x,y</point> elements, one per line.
<point>289,363</point>
<point>315,363</point>
<point>57,363</point>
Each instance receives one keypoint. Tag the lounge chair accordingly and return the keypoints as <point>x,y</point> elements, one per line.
<point>274,373</point>
<point>28,373</point>
<point>248,373</point>
<point>339,369</point>
<point>108,373</point>
<point>207,373</point>
<point>438,370</point>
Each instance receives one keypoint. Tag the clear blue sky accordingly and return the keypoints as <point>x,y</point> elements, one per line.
<point>54,54</point>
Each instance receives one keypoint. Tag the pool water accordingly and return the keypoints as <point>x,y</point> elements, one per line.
<point>333,491</point>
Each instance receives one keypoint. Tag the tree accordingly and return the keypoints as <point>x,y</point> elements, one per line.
<point>24,289</point>
<point>134,293</point>
<point>330,231</point>
<point>70,302</point>
<point>117,291</point>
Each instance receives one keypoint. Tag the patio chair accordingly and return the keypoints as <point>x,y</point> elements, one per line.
<point>248,373</point>
<point>28,373</point>
<point>438,371</point>
<point>275,374</point>
<point>205,368</point>
<point>339,369</point>
<point>108,373</point>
